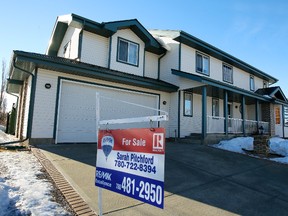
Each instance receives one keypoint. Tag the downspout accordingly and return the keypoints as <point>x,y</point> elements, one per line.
<point>30,111</point>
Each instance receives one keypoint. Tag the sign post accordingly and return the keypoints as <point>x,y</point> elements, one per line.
<point>131,162</point>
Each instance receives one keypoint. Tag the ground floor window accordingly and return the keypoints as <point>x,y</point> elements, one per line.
<point>215,107</point>
<point>188,104</point>
<point>285,116</point>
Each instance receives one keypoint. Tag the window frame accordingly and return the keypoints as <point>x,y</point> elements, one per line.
<point>214,112</point>
<point>252,84</point>
<point>223,71</point>
<point>277,115</point>
<point>184,104</point>
<point>137,52</point>
<point>202,66</point>
<point>285,116</point>
<point>265,84</point>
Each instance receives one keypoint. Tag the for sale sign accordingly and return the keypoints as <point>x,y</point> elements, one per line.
<point>131,162</point>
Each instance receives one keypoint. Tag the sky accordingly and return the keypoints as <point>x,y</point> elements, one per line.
<point>255,31</point>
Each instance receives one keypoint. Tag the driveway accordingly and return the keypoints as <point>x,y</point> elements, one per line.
<point>199,180</point>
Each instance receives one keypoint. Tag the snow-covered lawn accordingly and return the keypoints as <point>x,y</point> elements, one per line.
<point>21,191</point>
<point>277,146</point>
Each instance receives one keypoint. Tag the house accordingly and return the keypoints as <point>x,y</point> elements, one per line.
<point>205,90</point>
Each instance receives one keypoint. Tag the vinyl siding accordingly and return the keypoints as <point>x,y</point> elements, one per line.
<point>27,106</point>
<point>119,66</point>
<point>72,36</point>
<point>151,65</point>
<point>45,100</point>
<point>95,49</point>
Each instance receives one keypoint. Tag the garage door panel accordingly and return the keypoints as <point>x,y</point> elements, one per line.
<point>77,110</point>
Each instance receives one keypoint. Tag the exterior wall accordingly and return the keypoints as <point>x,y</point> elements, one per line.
<point>26,106</point>
<point>119,66</point>
<point>95,49</point>
<point>151,65</point>
<point>241,78</point>
<point>45,101</point>
<point>72,36</point>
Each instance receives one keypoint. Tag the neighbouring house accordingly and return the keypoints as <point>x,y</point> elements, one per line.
<point>204,89</point>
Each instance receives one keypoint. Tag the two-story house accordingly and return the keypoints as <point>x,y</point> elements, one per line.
<point>137,73</point>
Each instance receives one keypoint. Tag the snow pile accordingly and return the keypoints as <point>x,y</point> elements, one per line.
<point>277,146</point>
<point>236,144</point>
<point>21,192</point>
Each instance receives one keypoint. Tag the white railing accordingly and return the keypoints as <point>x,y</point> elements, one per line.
<point>235,125</point>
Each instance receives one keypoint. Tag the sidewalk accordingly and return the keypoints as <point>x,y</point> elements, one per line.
<point>199,180</point>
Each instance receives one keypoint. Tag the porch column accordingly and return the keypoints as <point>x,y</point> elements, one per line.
<point>204,112</point>
<point>257,111</point>
<point>243,114</point>
<point>226,112</point>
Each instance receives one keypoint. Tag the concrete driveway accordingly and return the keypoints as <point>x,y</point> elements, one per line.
<point>199,180</point>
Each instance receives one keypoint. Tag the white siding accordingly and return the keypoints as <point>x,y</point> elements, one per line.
<point>72,36</point>
<point>188,59</point>
<point>44,108</point>
<point>119,66</point>
<point>45,101</point>
<point>151,65</point>
<point>27,106</point>
<point>95,49</point>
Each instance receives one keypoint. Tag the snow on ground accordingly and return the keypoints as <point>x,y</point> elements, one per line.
<point>277,146</point>
<point>21,192</point>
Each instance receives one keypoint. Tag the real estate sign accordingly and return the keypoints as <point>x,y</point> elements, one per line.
<point>131,162</point>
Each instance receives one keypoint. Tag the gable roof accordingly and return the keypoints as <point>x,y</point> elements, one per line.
<point>274,93</point>
<point>189,40</point>
<point>105,29</point>
<point>29,61</point>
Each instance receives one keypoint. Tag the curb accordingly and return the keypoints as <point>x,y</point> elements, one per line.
<point>79,206</point>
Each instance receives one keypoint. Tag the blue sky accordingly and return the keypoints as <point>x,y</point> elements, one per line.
<point>255,31</point>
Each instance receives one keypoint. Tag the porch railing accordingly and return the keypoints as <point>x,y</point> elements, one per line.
<point>216,125</point>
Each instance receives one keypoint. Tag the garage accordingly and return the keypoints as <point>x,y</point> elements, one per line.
<point>76,114</point>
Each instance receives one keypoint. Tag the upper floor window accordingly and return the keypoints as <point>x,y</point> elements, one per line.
<point>252,83</point>
<point>202,64</point>
<point>127,52</point>
<point>265,84</point>
<point>188,104</point>
<point>66,50</point>
<point>227,73</point>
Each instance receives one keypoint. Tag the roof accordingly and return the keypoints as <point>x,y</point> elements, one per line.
<point>274,93</point>
<point>189,40</point>
<point>29,61</point>
<point>105,29</point>
<point>259,94</point>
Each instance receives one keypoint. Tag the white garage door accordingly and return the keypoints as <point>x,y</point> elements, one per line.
<point>77,104</point>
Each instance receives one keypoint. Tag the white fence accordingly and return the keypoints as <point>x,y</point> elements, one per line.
<point>216,125</point>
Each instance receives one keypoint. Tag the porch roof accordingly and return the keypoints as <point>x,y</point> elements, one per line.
<point>28,62</point>
<point>223,86</point>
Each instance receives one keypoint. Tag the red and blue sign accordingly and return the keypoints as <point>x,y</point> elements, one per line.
<point>131,162</point>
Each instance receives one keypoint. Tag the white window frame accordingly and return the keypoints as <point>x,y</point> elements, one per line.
<point>285,114</point>
<point>252,83</point>
<point>129,59</point>
<point>188,104</point>
<point>215,107</point>
<point>205,61</point>
<point>227,73</point>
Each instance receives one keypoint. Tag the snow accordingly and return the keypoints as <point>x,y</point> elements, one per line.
<point>277,146</point>
<point>21,191</point>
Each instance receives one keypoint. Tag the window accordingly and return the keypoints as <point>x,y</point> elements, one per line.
<point>66,50</point>
<point>227,73</point>
<point>188,104</point>
<point>202,64</point>
<point>277,115</point>
<point>252,83</point>
<point>127,52</point>
<point>286,116</point>
<point>264,84</point>
<point>215,107</point>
